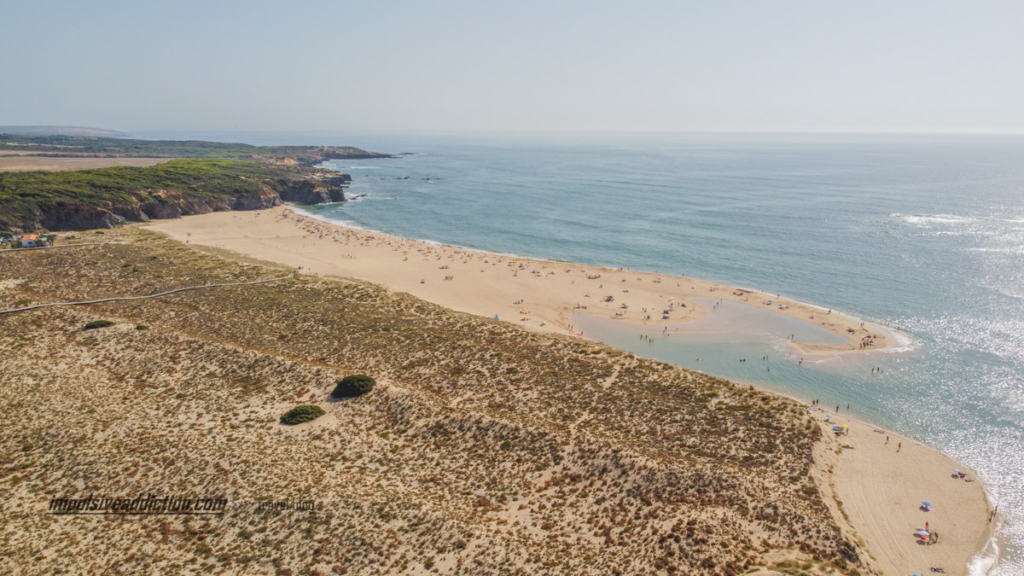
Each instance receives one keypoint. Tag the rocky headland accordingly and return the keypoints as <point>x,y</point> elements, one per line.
<point>109,197</point>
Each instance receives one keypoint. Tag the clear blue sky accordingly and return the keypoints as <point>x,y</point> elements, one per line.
<point>515,66</point>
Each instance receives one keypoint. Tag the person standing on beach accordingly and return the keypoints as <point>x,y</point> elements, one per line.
<point>899,446</point>
<point>886,440</point>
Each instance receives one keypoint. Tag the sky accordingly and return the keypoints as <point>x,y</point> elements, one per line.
<point>524,66</point>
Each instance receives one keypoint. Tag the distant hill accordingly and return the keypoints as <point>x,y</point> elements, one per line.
<point>61,131</point>
<point>57,145</point>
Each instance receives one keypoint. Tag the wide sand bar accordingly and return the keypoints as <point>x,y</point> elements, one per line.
<point>536,294</point>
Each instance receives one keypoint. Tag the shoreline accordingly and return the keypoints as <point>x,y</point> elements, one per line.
<point>321,247</point>
<point>878,482</point>
<point>893,340</point>
<point>864,483</point>
<point>853,477</point>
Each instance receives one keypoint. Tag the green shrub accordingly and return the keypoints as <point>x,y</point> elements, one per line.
<point>354,385</point>
<point>301,414</point>
<point>97,324</point>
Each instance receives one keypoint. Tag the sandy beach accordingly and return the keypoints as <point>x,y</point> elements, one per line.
<point>876,479</point>
<point>535,294</point>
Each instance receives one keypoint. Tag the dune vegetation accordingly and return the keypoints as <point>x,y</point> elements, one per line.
<point>483,448</point>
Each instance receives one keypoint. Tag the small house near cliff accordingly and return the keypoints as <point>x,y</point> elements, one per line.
<point>32,241</point>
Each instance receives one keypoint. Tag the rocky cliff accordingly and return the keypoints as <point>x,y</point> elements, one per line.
<point>161,204</point>
<point>84,211</point>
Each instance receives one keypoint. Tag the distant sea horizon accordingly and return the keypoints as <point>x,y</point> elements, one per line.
<point>920,232</point>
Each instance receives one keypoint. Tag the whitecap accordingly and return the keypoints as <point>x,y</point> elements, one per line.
<point>925,219</point>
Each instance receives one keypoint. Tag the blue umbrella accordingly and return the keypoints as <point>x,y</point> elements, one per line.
<point>925,503</point>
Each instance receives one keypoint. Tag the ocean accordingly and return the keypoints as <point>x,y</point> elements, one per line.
<point>924,234</point>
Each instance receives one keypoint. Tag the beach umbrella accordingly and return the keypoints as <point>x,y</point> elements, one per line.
<point>955,470</point>
<point>926,503</point>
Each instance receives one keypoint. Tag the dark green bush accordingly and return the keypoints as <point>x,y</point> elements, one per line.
<point>301,414</point>
<point>98,324</point>
<point>354,385</point>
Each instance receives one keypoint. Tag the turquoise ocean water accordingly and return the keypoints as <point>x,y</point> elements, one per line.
<point>922,233</point>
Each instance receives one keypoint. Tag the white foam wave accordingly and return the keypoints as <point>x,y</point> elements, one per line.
<point>1006,250</point>
<point>982,563</point>
<point>926,219</point>
<point>357,226</point>
<point>335,221</point>
<point>901,341</point>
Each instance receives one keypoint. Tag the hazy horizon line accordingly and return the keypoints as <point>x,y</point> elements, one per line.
<point>139,133</point>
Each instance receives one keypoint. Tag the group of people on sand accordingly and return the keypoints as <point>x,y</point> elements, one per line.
<point>866,341</point>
